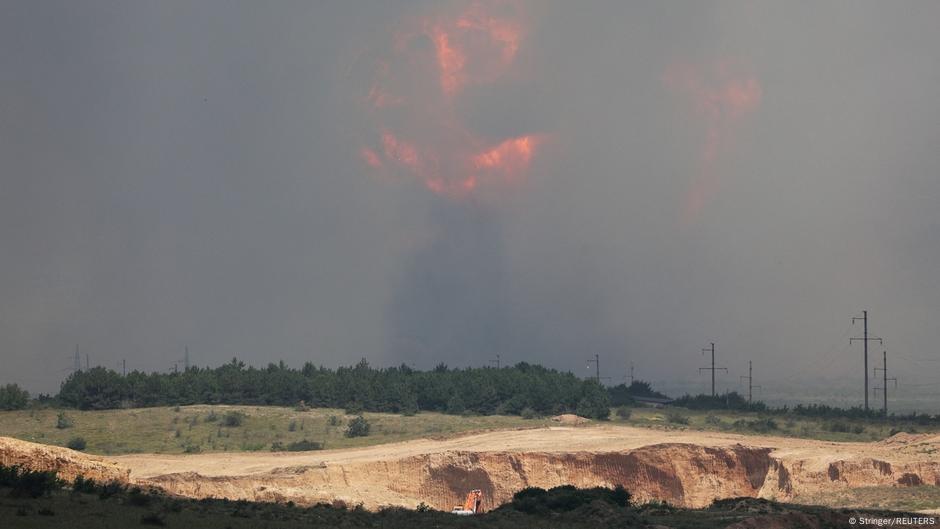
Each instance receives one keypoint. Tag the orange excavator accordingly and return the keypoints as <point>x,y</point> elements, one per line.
<point>472,505</point>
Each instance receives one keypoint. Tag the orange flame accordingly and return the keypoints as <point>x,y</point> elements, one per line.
<point>423,135</point>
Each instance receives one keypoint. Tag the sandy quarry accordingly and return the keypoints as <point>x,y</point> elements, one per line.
<point>682,467</point>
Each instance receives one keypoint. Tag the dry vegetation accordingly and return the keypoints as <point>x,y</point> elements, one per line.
<point>203,428</point>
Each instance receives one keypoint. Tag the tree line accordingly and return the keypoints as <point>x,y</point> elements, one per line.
<point>523,388</point>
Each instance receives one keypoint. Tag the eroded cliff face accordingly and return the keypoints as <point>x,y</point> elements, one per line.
<point>683,474</point>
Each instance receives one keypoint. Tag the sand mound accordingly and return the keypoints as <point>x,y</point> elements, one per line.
<point>569,419</point>
<point>69,464</point>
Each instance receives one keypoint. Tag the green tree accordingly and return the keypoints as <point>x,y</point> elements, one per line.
<point>13,397</point>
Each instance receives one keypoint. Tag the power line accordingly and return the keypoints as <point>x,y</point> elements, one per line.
<point>712,368</point>
<point>865,339</point>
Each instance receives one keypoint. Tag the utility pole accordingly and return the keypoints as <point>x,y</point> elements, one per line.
<point>597,366</point>
<point>77,366</point>
<point>865,339</point>
<point>750,381</point>
<point>496,361</point>
<point>124,366</point>
<point>186,359</point>
<point>712,368</point>
<point>87,362</point>
<point>884,388</point>
<point>630,376</point>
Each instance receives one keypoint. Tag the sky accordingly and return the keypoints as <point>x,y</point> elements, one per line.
<point>426,182</point>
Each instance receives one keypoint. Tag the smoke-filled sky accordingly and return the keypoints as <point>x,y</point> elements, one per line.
<point>427,182</point>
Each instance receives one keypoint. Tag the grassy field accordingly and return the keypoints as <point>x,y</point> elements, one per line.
<point>758,424</point>
<point>202,428</point>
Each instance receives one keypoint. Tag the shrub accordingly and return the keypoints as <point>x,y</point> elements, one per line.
<point>137,498</point>
<point>63,421</point>
<point>304,446</point>
<point>675,417</point>
<point>358,427</point>
<point>528,413</point>
<point>81,484</point>
<point>354,408</point>
<point>212,417</point>
<point>109,489</point>
<point>233,419</point>
<point>301,406</point>
<point>77,443</point>
<point>335,421</point>
<point>24,482</point>
<point>566,498</point>
<point>713,420</point>
<point>292,427</point>
<point>624,412</point>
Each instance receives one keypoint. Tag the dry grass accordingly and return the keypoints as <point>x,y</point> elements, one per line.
<point>164,430</point>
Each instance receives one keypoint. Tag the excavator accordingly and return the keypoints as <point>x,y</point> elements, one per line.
<point>472,505</point>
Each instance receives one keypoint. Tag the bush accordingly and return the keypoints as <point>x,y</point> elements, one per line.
<point>335,421</point>
<point>63,421</point>
<point>24,482</point>
<point>713,420</point>
<point>137,498</point>
<point>358,427</point>
<point>528,413</point>
<point>675,417</point>
<point>77,443</point>
<point>81,484</point>
<point>212,417</point>
<point>624,412</point>
<point>233,419</point>
<point>566,498</point>
<point>301,406</point>
<point>304,446</point>
<point>292,427</point>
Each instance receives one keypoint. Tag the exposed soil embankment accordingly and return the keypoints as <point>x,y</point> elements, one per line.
<point>679,473</point>
<point>689,469</point>
<point>683,474</point>
<point>68,464</point>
